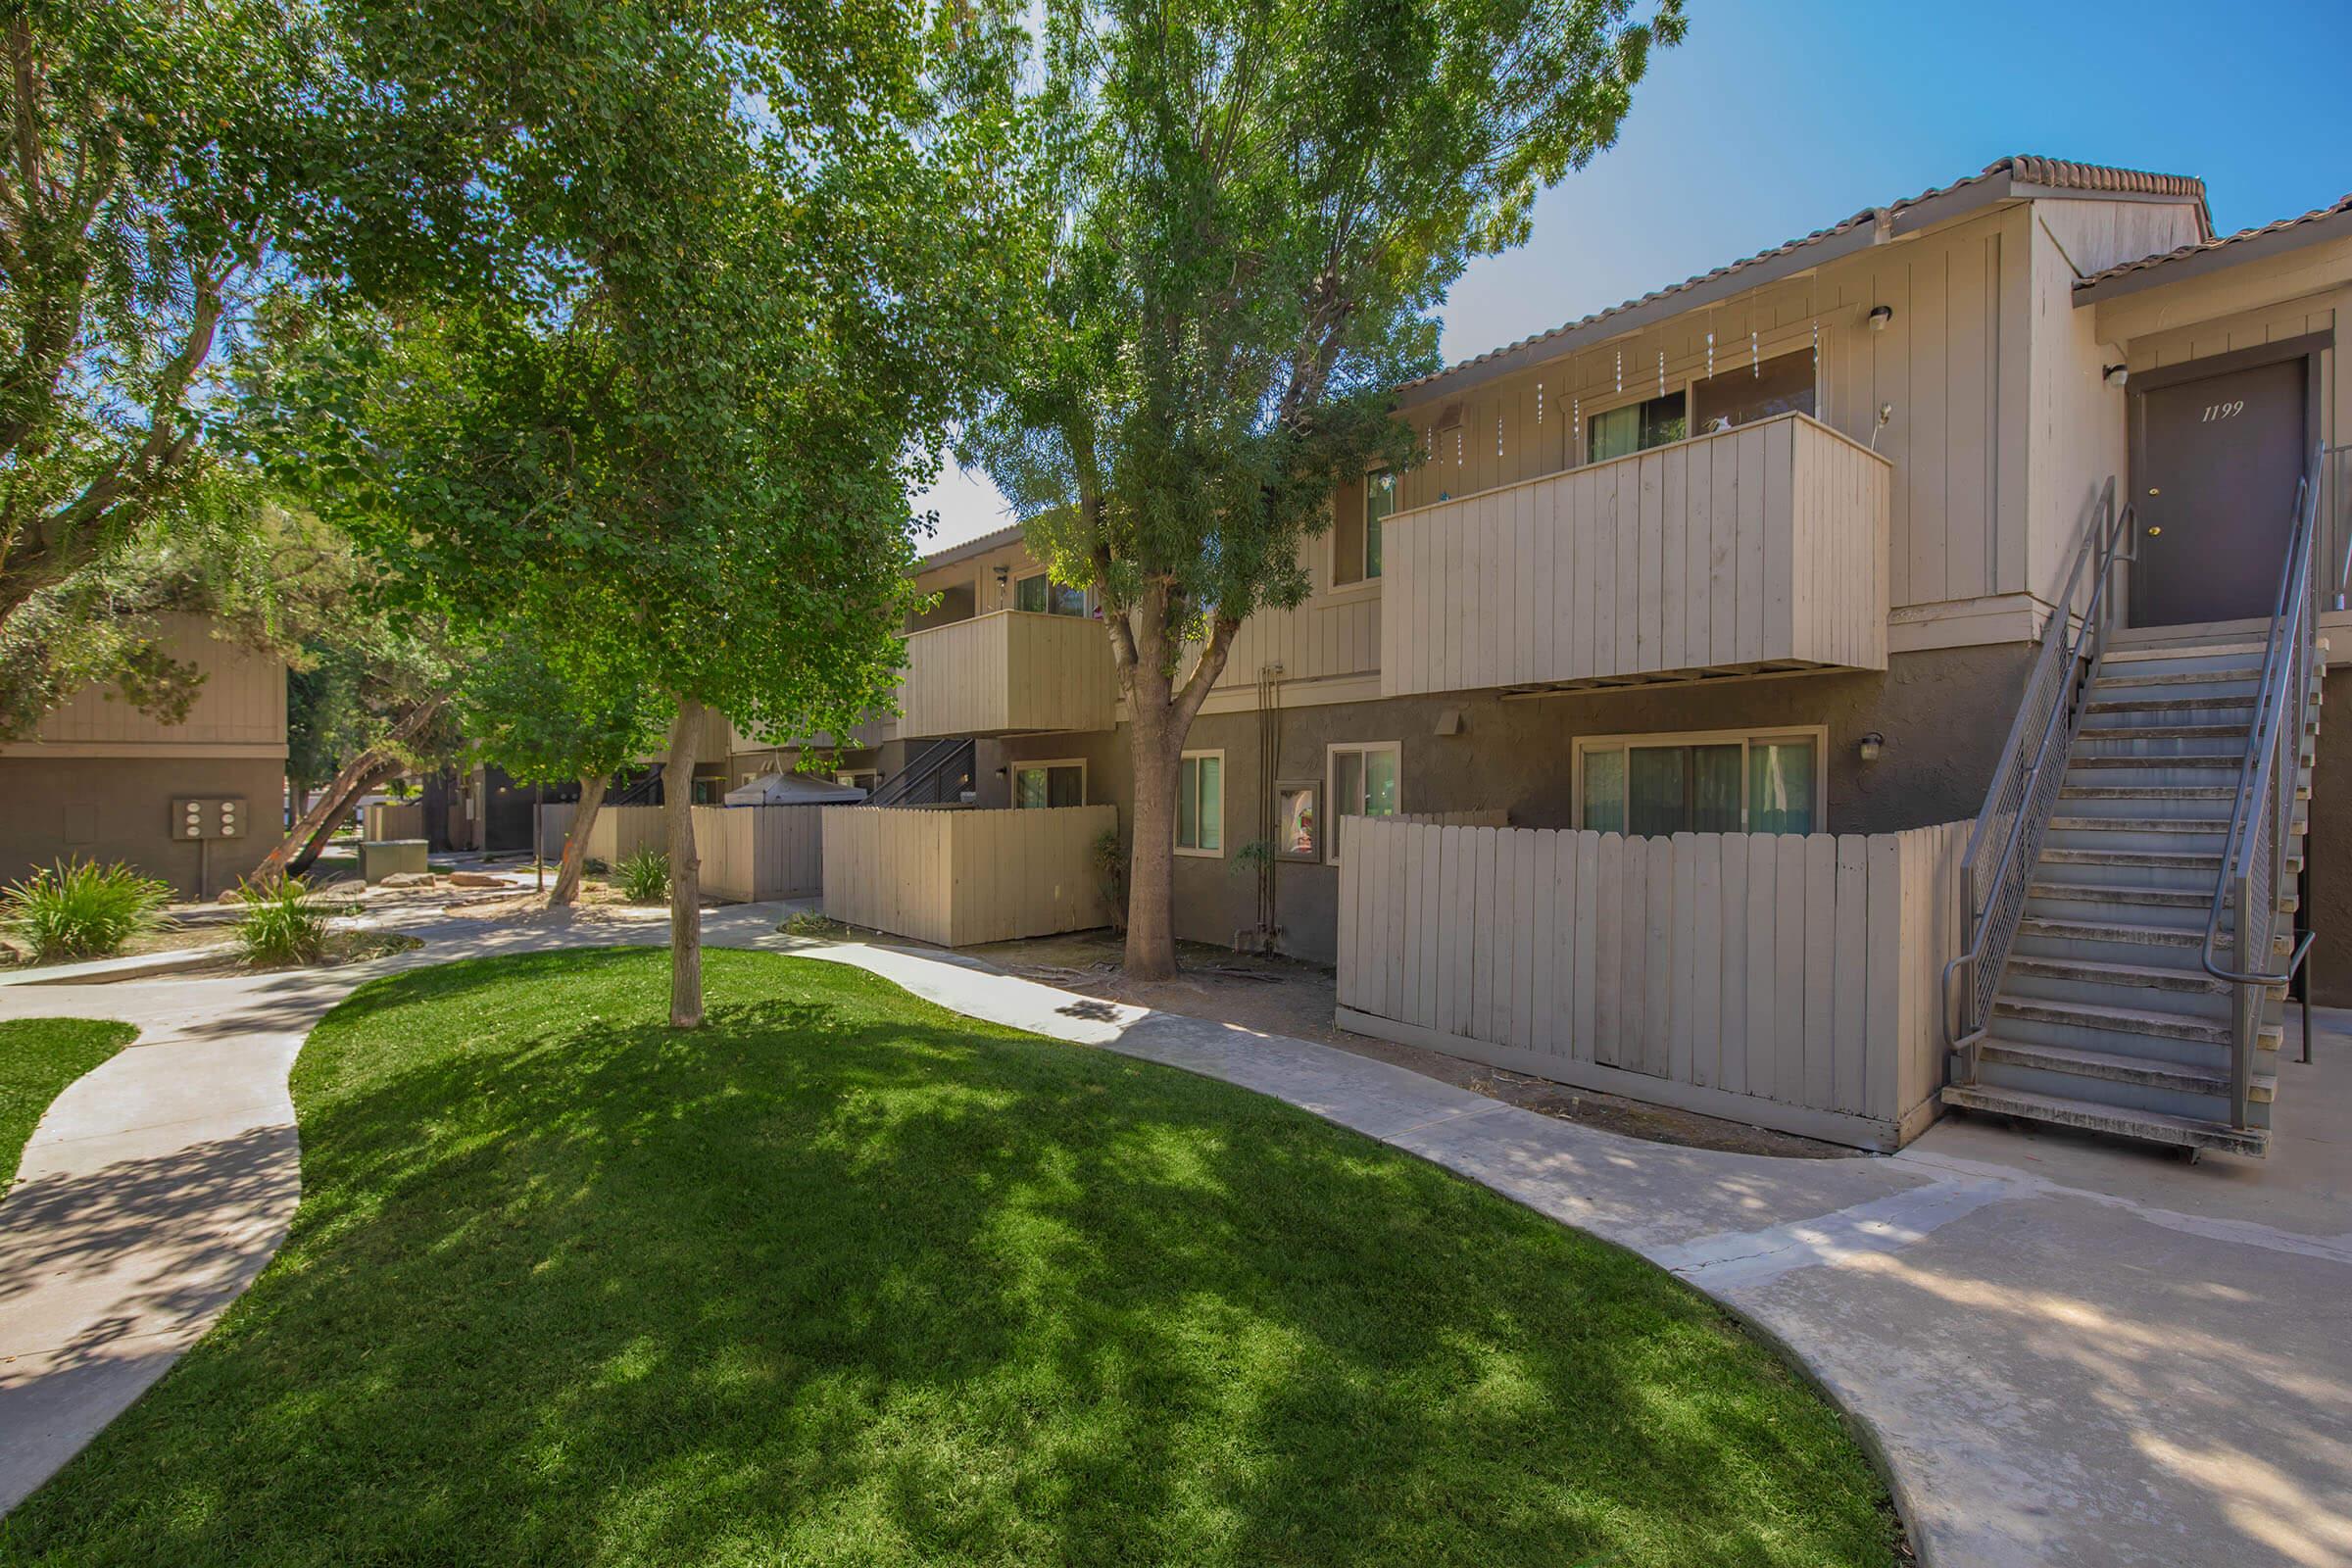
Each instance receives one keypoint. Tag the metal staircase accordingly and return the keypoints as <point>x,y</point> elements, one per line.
<point>2159,815</point>
<point>937,775</point>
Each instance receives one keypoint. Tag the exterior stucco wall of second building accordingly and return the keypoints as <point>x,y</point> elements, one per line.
<point>1943,713</point>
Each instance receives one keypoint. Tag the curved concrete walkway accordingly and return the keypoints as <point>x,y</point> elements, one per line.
<point>2064,1355</point>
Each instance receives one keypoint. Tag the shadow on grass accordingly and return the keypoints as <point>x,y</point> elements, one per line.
<point>843,1277</point>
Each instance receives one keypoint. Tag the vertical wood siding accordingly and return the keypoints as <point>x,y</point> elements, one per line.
<point>395,819</point>
<point>748,852</point>
<point>1789,981</point>
<point>1007,672</point>
<point>1950,360</point>
<point>241,703</point>
<point>958,877</point>
<point>1763,543</point>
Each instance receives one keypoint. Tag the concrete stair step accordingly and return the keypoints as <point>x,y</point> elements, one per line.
<point>2178,687</point>
<point>2138,859</point>
<point>2093,971</point>
<point>2148,1126</point>
<point>2186,761</point>
<point>2124,1020</point>
<point>2121,892</point>
<point>2141,1071</point>
<point>2184,940</point>
<point>2160,729</point>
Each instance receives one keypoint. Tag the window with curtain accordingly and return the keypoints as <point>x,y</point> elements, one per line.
<point>1363,783</point>
<point>1041,784</point>
<point>1782,384</point>
<point>1200,802</point>
<point>1636,427</point>
<point>1041,595</point>
<point>1651,787</point>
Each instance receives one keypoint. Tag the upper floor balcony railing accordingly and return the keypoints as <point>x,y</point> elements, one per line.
<point>1750,551</point>
<point>1009,672</point>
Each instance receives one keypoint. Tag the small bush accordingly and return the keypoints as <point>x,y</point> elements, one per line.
<point>594,864</point>
<point>643,877</point>
<point>281,924</point>
<point>83,909</point>
<point>809,923</point>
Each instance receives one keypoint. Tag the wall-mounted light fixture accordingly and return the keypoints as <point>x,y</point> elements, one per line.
<point>1880,316</point>
<point>2116,374</point>
<point>1449,721</point>
<point>1004,575</point>
<point>1870,746</point>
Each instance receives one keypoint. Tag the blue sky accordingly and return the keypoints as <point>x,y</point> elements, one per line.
<point>1777,119</point>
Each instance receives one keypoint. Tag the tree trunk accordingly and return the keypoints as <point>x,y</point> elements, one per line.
<point>1151,872</point>
<point>575,840</point>
<point>685,868</point>
<point>352,779</point>
<point>308,856</point>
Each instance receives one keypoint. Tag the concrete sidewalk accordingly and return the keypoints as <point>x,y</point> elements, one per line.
<point>2066,1353</point>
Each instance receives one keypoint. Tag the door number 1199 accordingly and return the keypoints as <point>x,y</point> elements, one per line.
<point>2222,411</point>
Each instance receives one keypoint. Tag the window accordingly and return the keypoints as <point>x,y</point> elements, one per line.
<point>1297,818</point>
<point>1636,427</point>
<point>1043,784</point>
<point>1782,384</point>
<point>1380,499</point>
<point>1363,783</point>
<point>1649,786</point>
<point>1041,595</point>
<point>1356,537</point>
<point>1200,803</point>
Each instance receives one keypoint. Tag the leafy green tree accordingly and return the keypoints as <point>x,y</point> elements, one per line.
<point>683,427</point>
<point>524,712</point>
<point>162,163</point>
<point>1263,207</point>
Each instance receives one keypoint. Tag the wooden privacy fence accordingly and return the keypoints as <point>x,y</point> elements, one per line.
<point>749,852</point>
<point>393,820</point>
<point>958,877</point>
<point>1783,980</point>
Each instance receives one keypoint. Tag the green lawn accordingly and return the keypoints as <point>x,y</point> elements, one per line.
<point>847,1279</point>
<point>38,1057</point>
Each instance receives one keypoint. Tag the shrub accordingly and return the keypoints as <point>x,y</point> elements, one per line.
<point>281,924</point>
<point>809,923</point>
<point>83,909</point>
<point>643,877</point>
<point>1110,875</point>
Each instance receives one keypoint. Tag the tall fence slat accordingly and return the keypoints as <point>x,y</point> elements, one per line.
<point>1786,980</point>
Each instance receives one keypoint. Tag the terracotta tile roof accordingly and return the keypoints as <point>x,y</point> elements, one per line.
<point>2045,173</point>
<point>2206,247</point>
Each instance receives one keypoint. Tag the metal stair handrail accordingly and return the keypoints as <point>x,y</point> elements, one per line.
<point>923,772</point>
<point>2262,816</point>
<point>2023,790</point>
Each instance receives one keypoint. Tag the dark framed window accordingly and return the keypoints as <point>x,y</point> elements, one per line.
<point>1636,427</point>
<point>1782,384</point>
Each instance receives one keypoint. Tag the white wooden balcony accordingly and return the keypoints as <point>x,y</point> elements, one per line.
<point>1754,550</point>
<point>1009,672</point>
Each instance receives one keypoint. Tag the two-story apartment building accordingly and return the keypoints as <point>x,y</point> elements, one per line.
<point>1768,550</point>
<point>100,780</point>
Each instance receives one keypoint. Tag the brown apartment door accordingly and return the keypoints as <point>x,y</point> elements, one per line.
<point>2215,463</point>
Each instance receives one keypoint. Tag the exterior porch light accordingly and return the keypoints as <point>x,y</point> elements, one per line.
<point>1880,316</point>
<point>2116,375</point>
<point>1871,745</point>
